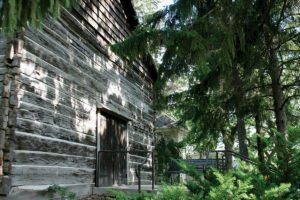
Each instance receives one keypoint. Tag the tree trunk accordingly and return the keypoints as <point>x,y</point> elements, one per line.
<point>243,146</point>
<point>280,112</point>
<point>239,103</point>
<point>260,150</point>
<point>279,109</point>
<point>228,140</point>
<point>228,155</point>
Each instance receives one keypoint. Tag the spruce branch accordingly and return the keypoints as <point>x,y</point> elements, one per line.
<point>287,99</point>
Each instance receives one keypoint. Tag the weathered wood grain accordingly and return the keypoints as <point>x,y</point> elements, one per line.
<point>67,71</point>
<point>54,131</point>
<point>52,159</point>
<point>43,175</point>
<point>33,142</point>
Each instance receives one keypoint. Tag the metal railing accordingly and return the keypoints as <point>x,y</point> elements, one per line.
<point>219,161</point>
<point>137,169</point>
<point>234,154</point>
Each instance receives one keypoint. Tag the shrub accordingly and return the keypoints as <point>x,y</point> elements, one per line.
<point>274,180</point>
<point>62,191</point>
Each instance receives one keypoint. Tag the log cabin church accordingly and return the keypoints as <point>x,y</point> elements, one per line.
<point>67,102</point>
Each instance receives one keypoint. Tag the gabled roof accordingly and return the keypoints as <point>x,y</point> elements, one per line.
<point>164,121</point>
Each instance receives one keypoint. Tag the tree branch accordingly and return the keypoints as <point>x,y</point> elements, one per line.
<point>257,87</point>
<point>291,60</point>
<point>287,99</point>
<point>281,14</point>
<point>285,41</point>
<point>298,117</point>
<point>297,83</point>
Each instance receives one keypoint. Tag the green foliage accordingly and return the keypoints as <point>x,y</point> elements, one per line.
<point>62,191</point>
<point>263,182</point>
<point>165,152</point>
<point>222,49</point>
<point>243,183</point>
<point>230,188</point>
<point>15,14</point>
<point>287,170</point>
<point>131,196</point>
<point>177,192</point>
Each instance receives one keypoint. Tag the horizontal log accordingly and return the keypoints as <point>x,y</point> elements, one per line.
<point>139,146</point>
<point>147,167</point>
<point>142,140</point>
<point>33,73</point>
<point>144,175</point>
<point>84,78</point>
<point>79,28</point>
<point>76,109</point>
<point>40,192</point>
<point>147,146</point>
<point>86,12</point>
<point>109,21</point>
<point>145,136</point>
<point>2,57</point>
<point>45,91</point>
<point>57,132</point>
<point>90,68</point>
<point>31,142</point>
<point>39,114</point>
<point>21,157</point>
<point>137,159</point>
<point>39,175</point>
<point>3,46</point>
<point>115,12</point>
<point>55,95</point>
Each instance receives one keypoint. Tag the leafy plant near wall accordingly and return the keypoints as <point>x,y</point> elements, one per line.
<point>62,191</point>
<point>176,192</point>
<point>15,14</point>
<point>167,150</point>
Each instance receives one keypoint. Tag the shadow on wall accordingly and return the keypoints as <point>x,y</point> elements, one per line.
<point>62,79</point>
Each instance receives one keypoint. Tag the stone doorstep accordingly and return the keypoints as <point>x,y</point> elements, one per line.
<point>40,192</point>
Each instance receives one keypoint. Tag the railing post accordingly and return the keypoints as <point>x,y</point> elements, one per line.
<point>152,171</point>
<point>139,178</point>
<point>223,163</point>
<point>97,168</point>
<point>217,155</point>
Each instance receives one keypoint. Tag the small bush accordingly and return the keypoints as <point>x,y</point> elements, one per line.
<point>62,191</point>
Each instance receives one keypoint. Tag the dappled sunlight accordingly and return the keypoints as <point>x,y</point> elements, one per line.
<point>66,74</point>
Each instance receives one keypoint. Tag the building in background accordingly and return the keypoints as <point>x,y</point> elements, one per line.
<point>168,128</point>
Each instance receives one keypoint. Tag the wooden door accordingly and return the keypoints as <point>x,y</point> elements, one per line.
<point>112,166</point>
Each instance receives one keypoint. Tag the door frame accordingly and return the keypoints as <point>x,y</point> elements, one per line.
<point>103,109</point>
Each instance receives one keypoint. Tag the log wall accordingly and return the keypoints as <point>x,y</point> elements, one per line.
<point>65,71</point>
<point>3,125</point>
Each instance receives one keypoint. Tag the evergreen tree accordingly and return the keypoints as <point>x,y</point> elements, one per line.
<point>15,14</point>
<point>221,46</point>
